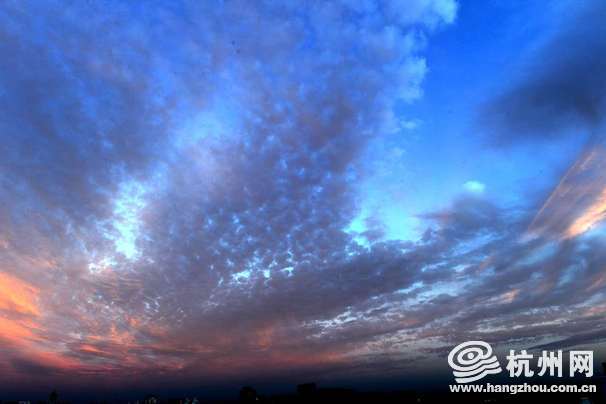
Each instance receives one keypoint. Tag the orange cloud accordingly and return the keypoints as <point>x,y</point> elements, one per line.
<point>17,332</point>
<point>582,189</point>
<point>20,324</point>
<point>18,296</point>
<point>594,214</point>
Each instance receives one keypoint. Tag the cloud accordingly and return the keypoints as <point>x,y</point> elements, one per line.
<point>32,368</point>
<point>178,189</point>
<point>576,205</point>
<point>560,87</point>
<point>173,171</point>
<point>475,187</point>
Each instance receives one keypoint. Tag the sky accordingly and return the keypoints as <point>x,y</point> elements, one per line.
<point>205,194</point>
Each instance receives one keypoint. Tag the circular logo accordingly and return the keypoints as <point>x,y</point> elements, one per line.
<point>472,360</point>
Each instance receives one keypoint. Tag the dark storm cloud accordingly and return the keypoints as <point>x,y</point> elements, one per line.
<point>586,338</point>
<point>560,85</point>
<point>31,367</point>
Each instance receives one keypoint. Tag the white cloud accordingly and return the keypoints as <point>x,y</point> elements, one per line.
<point>474,187</point>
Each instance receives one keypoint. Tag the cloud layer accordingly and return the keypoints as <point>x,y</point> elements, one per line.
<point>560,88</point>
<point>178,179</point>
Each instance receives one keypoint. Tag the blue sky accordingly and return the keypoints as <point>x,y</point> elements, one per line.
<point>199,190</point>
<point>442,144</point>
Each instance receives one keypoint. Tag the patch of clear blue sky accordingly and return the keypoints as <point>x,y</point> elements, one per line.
<point>425,168</point>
